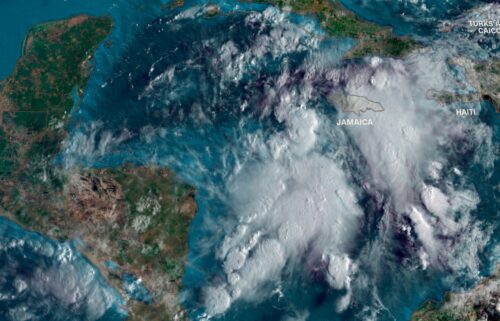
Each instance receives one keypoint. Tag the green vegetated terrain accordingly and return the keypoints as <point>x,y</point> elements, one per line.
<point>488,75</point>
<point>135,216</point>
<point>339,22</point>
<point>430,312</point>
<point>36,99</point>
<point>483,75</point>
<point>479,303</point>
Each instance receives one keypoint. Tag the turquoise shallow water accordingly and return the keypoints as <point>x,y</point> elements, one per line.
<point>160,95</point>
<point>17,16</point>
<point>42,279</point>
<point>410,17</point>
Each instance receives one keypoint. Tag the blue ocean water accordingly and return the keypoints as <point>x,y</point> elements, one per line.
<point>160,95</point>
<point>17,17</point>
<point>410,17</point>
<point>41,279</point>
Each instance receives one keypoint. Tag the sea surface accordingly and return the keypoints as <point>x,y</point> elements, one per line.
<point>299,219</point>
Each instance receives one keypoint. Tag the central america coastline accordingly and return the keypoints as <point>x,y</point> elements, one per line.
<point>164,157</point>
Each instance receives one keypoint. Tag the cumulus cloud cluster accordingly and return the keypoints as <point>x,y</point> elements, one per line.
<point>48,274</point>
<point>409,145</point>
<point>293,193</point>
<point>295,200</point>
<point>462,38</point>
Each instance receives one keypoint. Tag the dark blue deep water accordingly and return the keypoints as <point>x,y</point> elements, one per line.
<point>410,17</point>
<point>41,279</point>
<point>171,91</point>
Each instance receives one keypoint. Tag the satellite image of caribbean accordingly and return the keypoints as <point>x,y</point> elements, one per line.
<point>249,160</point>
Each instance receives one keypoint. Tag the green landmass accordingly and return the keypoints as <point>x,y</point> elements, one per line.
<point>172,4</point>
<point>339,22</point>
<point>135,216</point>
<point>430,312</point>
<point>487,73</point>
<point>479,303</point>
<point>483,75</point>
